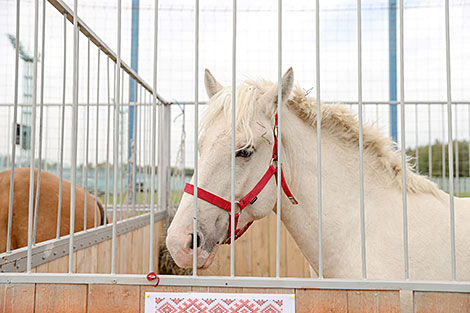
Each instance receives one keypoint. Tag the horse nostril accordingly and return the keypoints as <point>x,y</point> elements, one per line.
<point>192,240</point>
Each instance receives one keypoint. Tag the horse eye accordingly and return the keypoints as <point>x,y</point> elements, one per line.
<point>245,153</point>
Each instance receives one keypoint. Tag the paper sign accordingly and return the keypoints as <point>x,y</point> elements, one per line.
<point>163,302</point>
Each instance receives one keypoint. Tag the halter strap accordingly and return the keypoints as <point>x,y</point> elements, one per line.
<point>251,197</point>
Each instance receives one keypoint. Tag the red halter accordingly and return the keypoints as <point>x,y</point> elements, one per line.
<point>251,197</point>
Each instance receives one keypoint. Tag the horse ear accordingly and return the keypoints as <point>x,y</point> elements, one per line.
<point>212,85</point>
<point>271,96</point>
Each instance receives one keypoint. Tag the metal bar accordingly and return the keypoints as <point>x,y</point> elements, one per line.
<point>86,30</point>
<point>392,67</point>
<point>13,137</point>
<point>279,135</point>
<point>319,170</point>
<point>74,127</point>
<point>33,137</point>
<point>134,146</point>
<point>41,120</point>
<point>154,130</point>
<point>361,139</point>
<point>429,143</point>
<point>108,126</point>
<point>450,143</point>
<point>196,122</point>
<point>62,131</point>
<point>87,138</point>
<point>416,140</point>
<point>121,143</point>
<point>457,174</point>
<point>234,105</point>
<point>443,148</point>
<point>403,144</point>
<point>97,139</point>
<point>117,77</point>
<point>254,282</point>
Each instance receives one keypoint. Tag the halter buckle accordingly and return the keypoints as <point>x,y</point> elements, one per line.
<point>273,163</point>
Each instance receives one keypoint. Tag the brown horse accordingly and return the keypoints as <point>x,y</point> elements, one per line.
<point>47,208</point>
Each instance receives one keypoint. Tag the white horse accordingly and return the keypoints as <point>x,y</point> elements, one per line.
<point>428,207</point>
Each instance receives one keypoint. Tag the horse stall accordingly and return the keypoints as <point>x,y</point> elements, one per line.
<point>320,196</point>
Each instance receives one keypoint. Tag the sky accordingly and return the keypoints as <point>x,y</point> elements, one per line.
<point>424,61</point>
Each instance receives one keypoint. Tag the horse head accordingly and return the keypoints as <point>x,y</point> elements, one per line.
<point>256,109</point>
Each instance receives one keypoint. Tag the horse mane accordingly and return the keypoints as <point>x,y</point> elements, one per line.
<point>336,120</point>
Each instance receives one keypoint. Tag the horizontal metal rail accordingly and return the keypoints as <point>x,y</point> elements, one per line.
<point>351,102</point>
<point>47,251</point>
<point>253,282</point>
<point>86,30</point>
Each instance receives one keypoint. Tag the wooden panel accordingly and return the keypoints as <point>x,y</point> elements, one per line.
<point>113,298</point>
<point>269,290</point>
<point>104,256</point>
<point>243,254</point>
<point>17,298</point>
<point>313,300</point>
<point>441,302</point>
<point>295,262</point>
<point>362,301</point>
<point>169,289</point>
<point>259,246</point>
<point>60,298</point>
<point>87,260</point>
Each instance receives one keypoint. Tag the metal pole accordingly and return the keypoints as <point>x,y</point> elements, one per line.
<point>154,137</point>
<point>196,122</point>
<point>62,130</point>
<point>41,119</point>
<point>279,146</point>
<point>33,137</point>
<point>117,77</point>
<point>74,129</point>
<point>416,140</point>
<point>85,185</point>
<point>361,139</point>
<point>97,138</point>
<point>13,138</point>
<point>108,126</point>
<point>319,169</point>
<point>403,144</point>
<point>429,143</point>
<point>392,66</point>
<point>450,142</point>
<point>234,105</point>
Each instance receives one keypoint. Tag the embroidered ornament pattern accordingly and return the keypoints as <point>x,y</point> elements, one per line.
<point>218,303</point>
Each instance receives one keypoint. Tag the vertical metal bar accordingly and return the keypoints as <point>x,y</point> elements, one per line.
<point>87,139</point>
<point>134,145</point>
<point>234,105</point>
<point>97,137</point>
<point>279,135</point>
<point>108,127</point>
<point>154,130</point>
<point>361,139</point>
<point>141,144</point>
<point>145,145</point>
<point>117,77</point>
<point>450,142</point>
<point>74,127</point>
<point>13,137</point>
<point>196,122</point>
<point>41,119</point>
<point>416,140</point>
<point>121,143</point>
<point>429,143</point>
<point>319,170</point>
<point>33,138</point>
<point>457,175</point>
<point>403,144</point>
<point>62,130</point>
<point>443,147</point>
<point>392,66</point>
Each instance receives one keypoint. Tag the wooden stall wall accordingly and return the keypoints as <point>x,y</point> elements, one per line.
<point>132,255</point>
<point>255,254</point>
<point>90,298</point>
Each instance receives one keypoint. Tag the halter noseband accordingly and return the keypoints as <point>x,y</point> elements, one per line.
<point>251,197</point>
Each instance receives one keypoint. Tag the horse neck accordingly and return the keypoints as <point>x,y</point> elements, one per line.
<point>340,184</point>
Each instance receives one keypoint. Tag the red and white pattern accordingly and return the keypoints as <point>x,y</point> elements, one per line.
<point>156,302</point>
